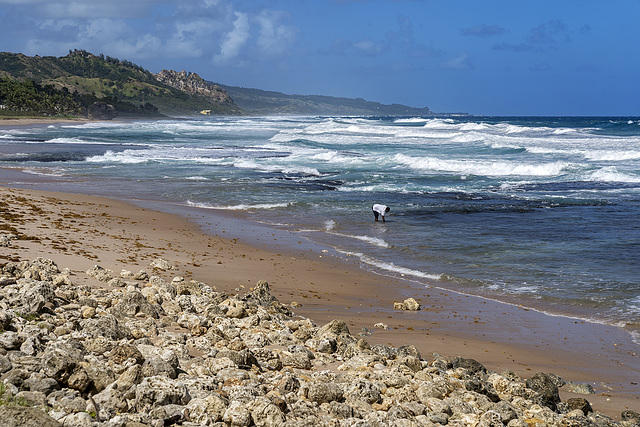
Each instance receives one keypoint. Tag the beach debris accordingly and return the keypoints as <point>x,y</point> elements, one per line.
<point>409,304</point>
<point>158,352</point>
<point>381,325</point>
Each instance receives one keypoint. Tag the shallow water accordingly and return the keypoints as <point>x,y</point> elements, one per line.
<point>534,211</point>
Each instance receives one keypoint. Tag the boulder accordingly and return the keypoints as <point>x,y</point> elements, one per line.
<point>207,410</point>
<point>409,304</point>
<point>35,295</point>
<point>324,392</point>
<point>134,303</point>
<point>125,351</point>
<point>630,416</point>
<point>99,273</point>
<point>21,416</point>
<point>156,391</point>
<point>333,329</point>
<point>101,111</point>
<point>58,365</point>
<point>161,264</point>
<point>10,340</point>
<point>5,240</point>
<point>105,326</point>
<point>546,386</point>
<point>583,405</point>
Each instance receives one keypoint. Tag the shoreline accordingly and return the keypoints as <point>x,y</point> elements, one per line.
<point>218,248</point>
<point>12,122</point>
<point>80,231</point>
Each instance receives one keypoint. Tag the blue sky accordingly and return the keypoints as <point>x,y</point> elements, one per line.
<point>493,57</point>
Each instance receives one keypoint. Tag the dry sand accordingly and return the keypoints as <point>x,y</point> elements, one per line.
<point>79,232</point>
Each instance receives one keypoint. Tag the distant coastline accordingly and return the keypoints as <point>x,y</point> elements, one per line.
<point>82,78</point>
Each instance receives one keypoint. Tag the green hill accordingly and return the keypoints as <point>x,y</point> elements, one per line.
<point>133,90</point>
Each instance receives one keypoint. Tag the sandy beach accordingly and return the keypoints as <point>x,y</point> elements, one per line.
<point>78,232</point>
<point>81,231</point>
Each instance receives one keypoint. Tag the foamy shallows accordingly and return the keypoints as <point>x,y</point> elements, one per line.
<point>541,211</point>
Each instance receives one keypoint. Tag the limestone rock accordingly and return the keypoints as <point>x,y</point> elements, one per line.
<point>5,240</point>
<point>193,84</point>
<point>409,304</point>
<point>100,273</point>
<point>580,388</point>
<point>157,391</point>
<point>546,385</point>
<point>178,353</point>
<point>324,392</point>
<point>134,303</point>
<point>105,326</point>
<point>161,264</point>
<point>20,416</point>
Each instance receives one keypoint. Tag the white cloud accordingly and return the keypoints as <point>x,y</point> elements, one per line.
<point>85,8</point>
<point>460,62</point>
<point>367,47</point>
<point>234,40</point>
<point>274,38</point>
<point>222,30</point>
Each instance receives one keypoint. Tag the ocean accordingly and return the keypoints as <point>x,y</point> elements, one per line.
<point>540,212</point>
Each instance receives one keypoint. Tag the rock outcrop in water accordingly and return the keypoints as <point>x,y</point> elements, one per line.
<point>138,350</point>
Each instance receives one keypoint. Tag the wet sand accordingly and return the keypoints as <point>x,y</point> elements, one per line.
<point>36,121</point>
<point>78,232</point>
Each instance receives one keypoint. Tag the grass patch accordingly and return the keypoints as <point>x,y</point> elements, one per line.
<point>8,399</point>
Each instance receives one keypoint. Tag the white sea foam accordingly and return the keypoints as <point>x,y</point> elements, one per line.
<point>564,131</point>
<point>611,155</point>
<point>611,174</point>
<point>66,141</point>
<point>44,172</point>
<point>252,164</point>
<point>127,156</point>
<point>391,267</point>
<point>411,120</point>
<point>330,226</point>
<point>375,241</point>
<point>440,124</point>
<point>239,207</point>
<point>473,126</point>
<point>486,168</point>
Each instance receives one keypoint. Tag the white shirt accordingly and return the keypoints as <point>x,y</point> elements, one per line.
<point>381,209</point>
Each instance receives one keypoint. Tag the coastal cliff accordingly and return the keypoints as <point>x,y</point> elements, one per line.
<point>193,84</point>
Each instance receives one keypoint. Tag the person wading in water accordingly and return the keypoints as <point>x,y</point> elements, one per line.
<point>379,210</point>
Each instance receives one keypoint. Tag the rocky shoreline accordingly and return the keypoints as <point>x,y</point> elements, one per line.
<point>150,349</point>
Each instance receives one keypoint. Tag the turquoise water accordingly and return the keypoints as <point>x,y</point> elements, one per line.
<point>541,212</point>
